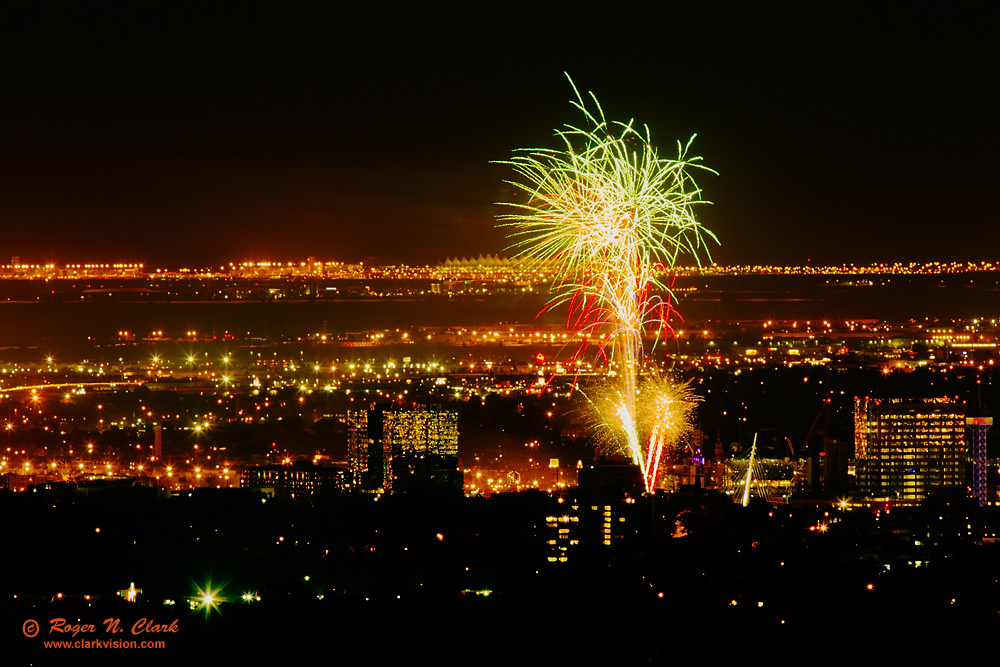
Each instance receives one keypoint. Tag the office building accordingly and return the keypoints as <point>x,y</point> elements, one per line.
<point>301,478</point>
<point>909,449</point>
<point>404,450</point>
<point>365,463</point>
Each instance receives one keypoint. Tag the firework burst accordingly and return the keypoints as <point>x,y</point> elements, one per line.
<point>654,433</point>
<point>609,218</point>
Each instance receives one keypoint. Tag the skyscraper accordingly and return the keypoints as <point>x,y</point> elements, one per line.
<point>366,456</point>
<point>908,449</point>
<point>420,450</point>
<point>404,450</point>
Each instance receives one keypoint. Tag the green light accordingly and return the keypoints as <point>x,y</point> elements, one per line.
<point>206,598</point>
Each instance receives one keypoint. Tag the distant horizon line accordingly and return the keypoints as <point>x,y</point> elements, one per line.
<point>482,262</point>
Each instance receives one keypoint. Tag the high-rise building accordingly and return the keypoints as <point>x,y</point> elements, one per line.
<point>404,450</point>
<point>420,450</point>
<point>909,449</point>
<point>365,459</point>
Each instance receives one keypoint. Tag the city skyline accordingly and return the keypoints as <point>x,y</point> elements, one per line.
<point>273,379</point>
<point>149,134</point>
<point>225,456</point>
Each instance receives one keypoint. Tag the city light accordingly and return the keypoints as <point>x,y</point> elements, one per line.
<point>206,598</point>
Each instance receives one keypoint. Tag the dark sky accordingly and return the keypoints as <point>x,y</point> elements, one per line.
<point>179,134</point>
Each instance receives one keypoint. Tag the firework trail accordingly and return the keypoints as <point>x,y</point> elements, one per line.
<point>666,408</point>
<point>663,411</point>
<point>609,218</point>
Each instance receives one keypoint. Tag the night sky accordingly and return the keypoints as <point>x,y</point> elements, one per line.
<point>193,135</point>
